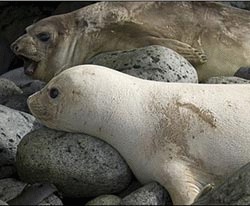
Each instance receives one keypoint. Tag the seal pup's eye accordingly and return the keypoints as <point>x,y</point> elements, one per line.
<point>43,36</point>
<point>53,93</point>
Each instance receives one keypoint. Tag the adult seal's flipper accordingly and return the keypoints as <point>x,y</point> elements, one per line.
<point>33,194</point>
<point>193,55</point>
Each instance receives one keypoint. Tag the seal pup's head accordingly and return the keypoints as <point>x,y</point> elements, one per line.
<point>78,99</point>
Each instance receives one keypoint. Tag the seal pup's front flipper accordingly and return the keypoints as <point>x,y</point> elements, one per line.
<point>193,55</point>
<point>185,181</point>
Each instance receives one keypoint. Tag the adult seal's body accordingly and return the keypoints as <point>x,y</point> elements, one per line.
<point>214,38</point>
<point>184,136</point>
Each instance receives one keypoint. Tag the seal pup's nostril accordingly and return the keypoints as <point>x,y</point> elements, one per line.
<point>14,47</point>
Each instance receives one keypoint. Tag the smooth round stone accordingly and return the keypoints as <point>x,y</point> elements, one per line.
<point>3,202</point>
<point>77,164</point>
<point>227,80</point>
<point>13,126</point>
<point>152,62</point>
<point>105,200</point>
<point>150,194</point>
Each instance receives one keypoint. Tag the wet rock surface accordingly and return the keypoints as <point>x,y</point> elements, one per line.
<point>78,165</point>
<point>153,63</point>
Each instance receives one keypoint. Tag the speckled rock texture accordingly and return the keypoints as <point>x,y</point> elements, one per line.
<point>152,62</point>
<point>105,200</point>
<point>150,194</point>
<point>77,164</point>
<point>227,80</point>
<point>13,126</point>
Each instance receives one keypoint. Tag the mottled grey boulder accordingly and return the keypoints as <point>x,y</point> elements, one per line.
<point>227,80</point>
<point>105,200</point>
<point>13,126</point>
<point>77,164</point>
<point>27,85</point>
<point>235,190</point>
<point>152,62</point>
<point>8,88</point>
<point>150,194</point>
<point>11,189</point>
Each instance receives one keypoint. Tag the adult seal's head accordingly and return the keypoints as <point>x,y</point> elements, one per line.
<point>212,37</point>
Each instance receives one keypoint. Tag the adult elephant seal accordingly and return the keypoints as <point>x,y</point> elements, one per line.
<point>183,136</point>
<point>214,38</point>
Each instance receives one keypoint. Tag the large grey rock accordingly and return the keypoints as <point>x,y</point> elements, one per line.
<point>235,190</point>
<point>227,80</point>
<point>13,126</point>
<point>11,188</point>
<point>77,164</point>
<point>152,62</point>
<point>105,200</point>
<point>150,194</point>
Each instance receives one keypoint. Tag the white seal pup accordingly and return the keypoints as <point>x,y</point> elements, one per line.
<point>213,37</point>
<point>183,136</point>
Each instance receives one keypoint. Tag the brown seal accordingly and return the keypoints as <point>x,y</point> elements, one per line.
<point>213,37</point>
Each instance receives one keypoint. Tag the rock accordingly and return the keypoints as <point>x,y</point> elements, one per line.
<point>23,81</point>
<point>8,88</point>
<point>13,126</point>
<point>11,188</point>
<point>243,72</point>
<point>152,62</point>
<point>227,80</point>
<point>235,190</point>
<point>77,164</point>
<point>134,185</point>
<point>7,171</point>
<point>28,86</point>
<point>105,200</point>
<point>150,194</point>
<point>3,203</point>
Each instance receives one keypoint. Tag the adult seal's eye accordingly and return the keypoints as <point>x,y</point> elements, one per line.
<point>44,36</point>
<point>53,93</point>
